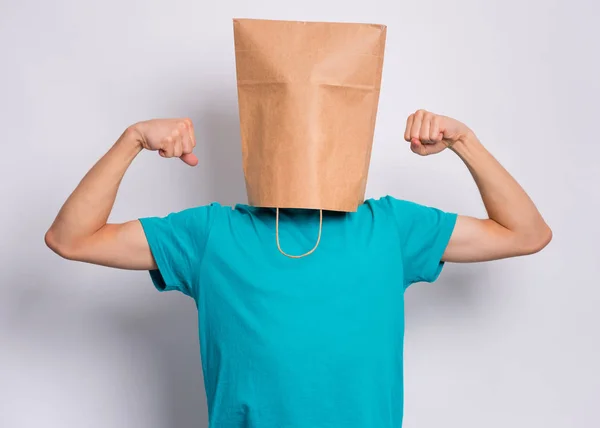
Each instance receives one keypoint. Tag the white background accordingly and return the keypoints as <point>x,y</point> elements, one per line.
<point>505,344</point>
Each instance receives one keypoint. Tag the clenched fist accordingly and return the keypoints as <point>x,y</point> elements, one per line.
<point>172,138</point>
<point>429,133</point>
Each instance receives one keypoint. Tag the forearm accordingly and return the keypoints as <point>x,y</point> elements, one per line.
<point>87,209</point>
<point>506,203</point>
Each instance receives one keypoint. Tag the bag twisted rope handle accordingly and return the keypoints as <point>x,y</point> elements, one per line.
<point>305,254</point>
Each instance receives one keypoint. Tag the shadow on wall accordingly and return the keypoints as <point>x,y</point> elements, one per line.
<point>458,293</point>
<point>95,364</point>
<point>168,333</point>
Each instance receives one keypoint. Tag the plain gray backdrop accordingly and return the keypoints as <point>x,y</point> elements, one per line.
<point>509,343</point>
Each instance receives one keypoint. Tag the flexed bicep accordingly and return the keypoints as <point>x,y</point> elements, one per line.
<point>122,246</point>
<point>479,240</point>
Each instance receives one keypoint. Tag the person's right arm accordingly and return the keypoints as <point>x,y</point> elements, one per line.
<point>80,231</point>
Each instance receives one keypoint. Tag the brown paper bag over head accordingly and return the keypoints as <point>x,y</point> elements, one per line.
<point>308,95</point>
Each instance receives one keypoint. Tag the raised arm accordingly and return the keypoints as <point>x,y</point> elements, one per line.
<point>515,227</point>
<point>80,231</point>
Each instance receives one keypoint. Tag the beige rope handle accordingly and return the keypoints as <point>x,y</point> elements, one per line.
<point>305,254</point>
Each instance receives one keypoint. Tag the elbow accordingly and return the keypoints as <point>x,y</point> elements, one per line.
<point>538,241</point>
<point>57,246</point>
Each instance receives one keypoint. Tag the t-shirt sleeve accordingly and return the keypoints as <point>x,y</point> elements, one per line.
<point>178,242</point>
<point>424,235</point>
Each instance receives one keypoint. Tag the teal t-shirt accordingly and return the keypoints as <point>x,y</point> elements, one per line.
<point>315,342</point>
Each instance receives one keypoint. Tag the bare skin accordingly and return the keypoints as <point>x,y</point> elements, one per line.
<point>80,231</point>
<point>515,227</point>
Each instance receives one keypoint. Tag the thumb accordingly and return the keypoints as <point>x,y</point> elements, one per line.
<point>190,159</point>
<point>418,147</point>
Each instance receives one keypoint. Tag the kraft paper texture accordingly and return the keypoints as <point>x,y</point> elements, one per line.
<point>308,95</point>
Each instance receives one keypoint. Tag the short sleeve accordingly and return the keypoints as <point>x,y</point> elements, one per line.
<point>424,235</point>
<point>178,242</point>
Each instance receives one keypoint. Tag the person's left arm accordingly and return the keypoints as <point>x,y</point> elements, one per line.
<point>515,227</point>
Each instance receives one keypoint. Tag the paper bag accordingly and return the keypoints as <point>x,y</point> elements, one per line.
<point>308,95</point>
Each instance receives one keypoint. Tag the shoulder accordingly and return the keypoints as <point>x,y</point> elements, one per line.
<point>201,212</point>
<point>391,205</point>
<point>199,219</point>
<point>408,215</point>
